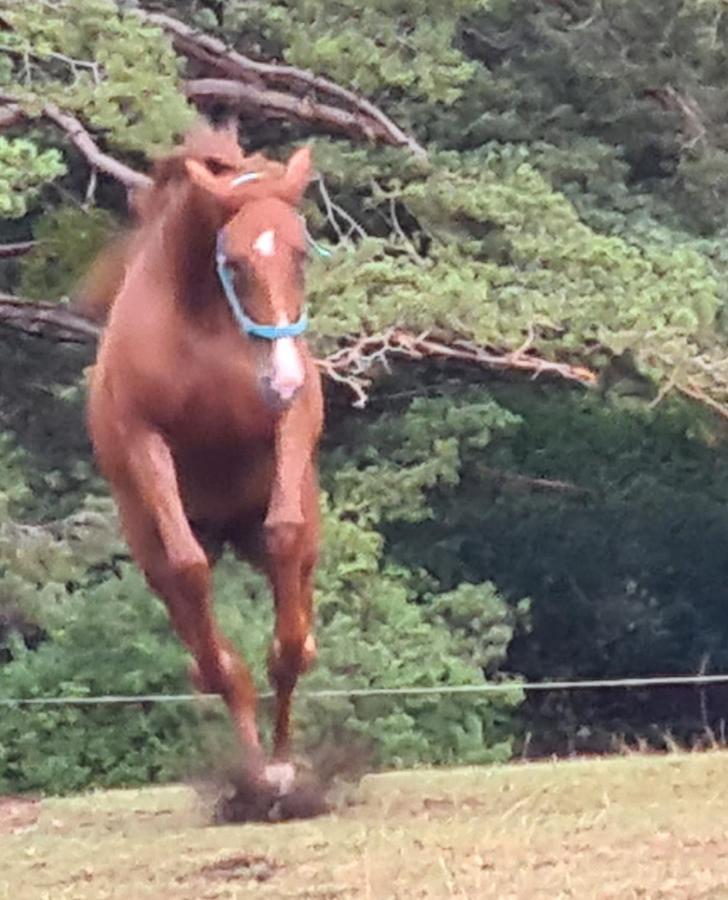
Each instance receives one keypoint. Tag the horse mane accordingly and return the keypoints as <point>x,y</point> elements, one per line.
<point>219,151</point>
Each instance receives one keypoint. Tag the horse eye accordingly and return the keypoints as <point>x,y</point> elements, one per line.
<point>216,167</point>
<point>242,274</point>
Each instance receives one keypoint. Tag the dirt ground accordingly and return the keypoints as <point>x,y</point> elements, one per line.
<point>632,827</point>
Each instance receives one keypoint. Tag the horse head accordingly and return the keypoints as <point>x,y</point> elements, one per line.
<point>260,256</point>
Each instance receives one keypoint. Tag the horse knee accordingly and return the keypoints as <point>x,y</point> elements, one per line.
<point>214,675</point>
<point>193,579</point>
<point>187,576</point>
<point>287,659</point>
<point>282,539</point>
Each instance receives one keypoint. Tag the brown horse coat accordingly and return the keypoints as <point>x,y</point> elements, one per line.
<point>205,433</point>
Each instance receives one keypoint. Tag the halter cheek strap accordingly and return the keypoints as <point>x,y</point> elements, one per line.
<point>248,325</point>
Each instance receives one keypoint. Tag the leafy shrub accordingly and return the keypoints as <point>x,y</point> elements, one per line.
<point>114,639</point>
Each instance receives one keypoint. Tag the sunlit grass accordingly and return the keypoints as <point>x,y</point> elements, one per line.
<point>642,826</point>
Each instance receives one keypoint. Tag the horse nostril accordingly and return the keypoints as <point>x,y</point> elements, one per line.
<point>276,397</point>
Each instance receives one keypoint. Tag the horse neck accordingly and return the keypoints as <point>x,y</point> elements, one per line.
<point>187,232</point>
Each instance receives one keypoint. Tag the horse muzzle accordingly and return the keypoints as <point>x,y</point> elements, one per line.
<point>276,398</point>
<point>286,375</point>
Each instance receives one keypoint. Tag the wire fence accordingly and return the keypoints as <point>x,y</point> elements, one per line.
<point>414,691</point>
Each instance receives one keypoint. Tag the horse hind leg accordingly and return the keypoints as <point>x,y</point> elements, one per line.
<point>177,569</point>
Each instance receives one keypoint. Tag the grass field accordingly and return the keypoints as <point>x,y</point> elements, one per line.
<point>629,827</point>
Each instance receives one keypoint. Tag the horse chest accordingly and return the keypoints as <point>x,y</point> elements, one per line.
<point>216,400</point>
<point>224,482</point>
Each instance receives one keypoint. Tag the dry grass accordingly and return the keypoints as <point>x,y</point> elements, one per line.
<point>636,827</point>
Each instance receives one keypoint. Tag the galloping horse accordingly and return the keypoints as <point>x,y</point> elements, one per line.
<point>205,407</point>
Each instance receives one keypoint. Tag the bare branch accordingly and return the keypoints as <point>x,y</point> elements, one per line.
<point>46,319</point>
<point>693,118</point>
<point>399,232</point>
<point>222,60</point>
<point>81,139</point>
<point>277,105</point>
<point>73,64</point>
<point>9,251</point>
<point>10,114</point>
<point>86,145</point>
<point>531,483</point>
<point>696,393</point>
<point>353,365</point>
<point>329,206</point>
<point>333,209</point>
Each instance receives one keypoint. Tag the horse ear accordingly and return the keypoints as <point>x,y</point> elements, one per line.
<point>220,188</point>
<point>231,190</point>
<point>299,173</point>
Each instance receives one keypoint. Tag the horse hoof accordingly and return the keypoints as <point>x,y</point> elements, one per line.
<point>276,792</point>
<point>281,777</point>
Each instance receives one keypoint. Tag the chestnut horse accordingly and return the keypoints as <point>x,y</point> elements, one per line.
<point>205,406</point>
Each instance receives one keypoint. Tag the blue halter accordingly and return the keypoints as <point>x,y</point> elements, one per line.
<point>247,325</point>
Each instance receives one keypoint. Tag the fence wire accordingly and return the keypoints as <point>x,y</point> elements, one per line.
<point>500,687</point>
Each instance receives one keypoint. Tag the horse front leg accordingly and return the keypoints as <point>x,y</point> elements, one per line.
<point>177,569</point>
<point>293,649</point>
<point>292,537</point>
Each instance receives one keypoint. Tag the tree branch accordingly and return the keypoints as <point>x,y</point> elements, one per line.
<point>276,105</point>
<point>81,139</point>
<point>694,392</point>
<point>46,319</point>
<point>8,251</point>
<point>353,365</point>
<point>693,118</point>
<point>529,482</point>
<point>371,122</point>
<point>10,114</point>
<point>86,145</point>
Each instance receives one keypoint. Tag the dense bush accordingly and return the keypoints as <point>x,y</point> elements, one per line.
<point>113,638</point>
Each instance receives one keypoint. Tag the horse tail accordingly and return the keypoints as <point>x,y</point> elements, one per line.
<point>95,294</point>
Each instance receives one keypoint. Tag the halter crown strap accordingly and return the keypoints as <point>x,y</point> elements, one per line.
<point>247,325</point>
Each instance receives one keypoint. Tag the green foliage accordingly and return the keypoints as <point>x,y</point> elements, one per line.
<point>113,638</point>
<point>372,634</point>
<point>609,516</point>
<point>559,72</point>
<point>390,476</point>
<point>24,171</point>
<point>13,487</point>
<point>96,645</point>
<point>511,257</point>
<point>42,413</point>
<point>378,48</point>
<point>68,240</point>
<point>118,72</point>
<point>477,611</point>
<point>40,565</point>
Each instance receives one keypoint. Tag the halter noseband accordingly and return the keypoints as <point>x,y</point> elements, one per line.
<point>247,325</point>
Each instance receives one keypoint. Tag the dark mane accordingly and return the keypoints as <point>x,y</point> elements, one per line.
<point>215,148</point>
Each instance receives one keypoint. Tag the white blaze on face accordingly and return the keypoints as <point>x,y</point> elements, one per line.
<point>265,243</point>
<point>288,374</point>
<point>288,371</point>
